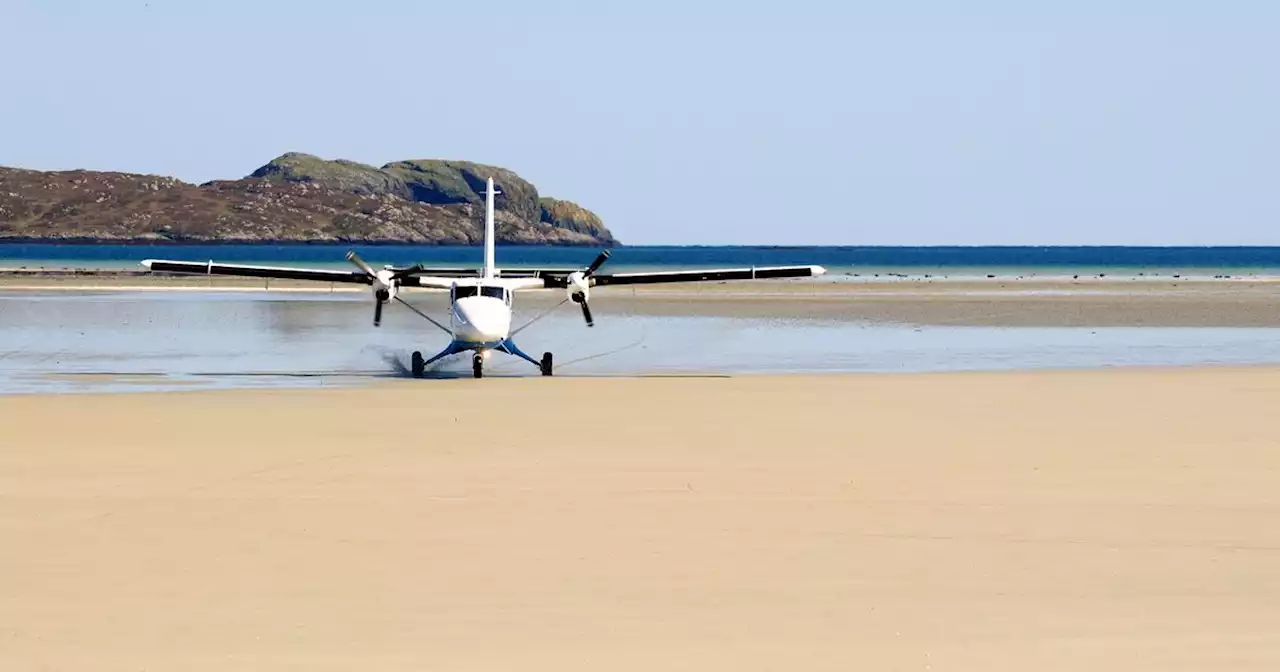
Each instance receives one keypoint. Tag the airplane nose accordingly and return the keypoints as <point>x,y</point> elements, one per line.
<point>482,319</point>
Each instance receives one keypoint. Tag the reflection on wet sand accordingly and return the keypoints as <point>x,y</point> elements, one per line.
<point>121,340</point>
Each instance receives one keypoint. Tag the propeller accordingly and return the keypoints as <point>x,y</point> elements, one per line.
<point>360,263</point>
<point>385,282</point>
<point>578,285</point>
<point>381,298</point>
<point>406,272</point>
<point>599,261</point>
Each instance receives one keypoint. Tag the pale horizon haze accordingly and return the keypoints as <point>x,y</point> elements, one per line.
<point>805,122</point>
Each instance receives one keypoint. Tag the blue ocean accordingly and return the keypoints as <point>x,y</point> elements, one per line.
<point>839,260</point>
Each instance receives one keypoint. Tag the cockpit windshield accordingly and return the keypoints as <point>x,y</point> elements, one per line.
<point>500,293</point>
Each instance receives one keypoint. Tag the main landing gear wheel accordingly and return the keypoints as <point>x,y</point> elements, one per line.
<point>546,363</point>
<point>417,365</point>
<point>477,365</point>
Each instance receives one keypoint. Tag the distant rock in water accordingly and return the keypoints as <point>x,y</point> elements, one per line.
<point>294,198</point>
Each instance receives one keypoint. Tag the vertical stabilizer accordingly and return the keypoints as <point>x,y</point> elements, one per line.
<point>489,270</point>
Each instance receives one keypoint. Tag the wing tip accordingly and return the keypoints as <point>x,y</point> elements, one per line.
<point>817,270</point>
<point>146,263</point>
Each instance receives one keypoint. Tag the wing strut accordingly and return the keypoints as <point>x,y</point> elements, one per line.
<point>425,316</point>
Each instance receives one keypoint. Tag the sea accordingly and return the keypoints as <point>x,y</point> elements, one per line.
<point>840,261</point>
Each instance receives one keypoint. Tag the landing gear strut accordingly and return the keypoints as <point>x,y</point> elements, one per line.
<point>418,365</point>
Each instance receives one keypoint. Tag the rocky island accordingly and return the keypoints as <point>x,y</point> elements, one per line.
<point>294,198</point>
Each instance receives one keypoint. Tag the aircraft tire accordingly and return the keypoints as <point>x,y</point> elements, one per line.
<point>477,365</point>
<point>417,364</point>
<point>546,363</point>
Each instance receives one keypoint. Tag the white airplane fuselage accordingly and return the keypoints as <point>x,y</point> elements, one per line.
<point>480,320</point>
<point>480,310</point>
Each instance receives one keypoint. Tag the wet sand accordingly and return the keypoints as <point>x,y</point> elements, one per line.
<point>1105,520</point>
<point>1008,304</point>
<point>1041,302</point>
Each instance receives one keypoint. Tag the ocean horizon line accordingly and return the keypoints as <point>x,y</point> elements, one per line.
<point>657,246</point>
<point>836,258</point>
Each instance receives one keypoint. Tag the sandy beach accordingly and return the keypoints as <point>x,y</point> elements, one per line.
<point>1107,520</point>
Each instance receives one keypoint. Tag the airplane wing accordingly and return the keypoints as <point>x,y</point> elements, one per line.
<point>248,271</point>
<point>441,277</point>
<point>709,275</point>
<point>701,275</point>
<point>422,277</point>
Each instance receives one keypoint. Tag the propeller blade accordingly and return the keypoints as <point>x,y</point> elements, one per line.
<point>406,272</point>
<point>377,313</point>
<point>604,256</point>
<point>586,313</point>
<point>355,259</point>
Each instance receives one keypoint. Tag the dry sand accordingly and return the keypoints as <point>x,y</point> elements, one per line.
<point>1104,520</point>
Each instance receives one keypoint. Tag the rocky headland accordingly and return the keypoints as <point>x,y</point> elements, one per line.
<point>294,198</point>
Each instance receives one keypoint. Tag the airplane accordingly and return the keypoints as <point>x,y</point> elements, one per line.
<point>479,301</point>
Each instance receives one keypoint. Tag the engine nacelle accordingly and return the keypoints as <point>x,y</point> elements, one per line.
<point>577,286</point>
<point>385,286</point>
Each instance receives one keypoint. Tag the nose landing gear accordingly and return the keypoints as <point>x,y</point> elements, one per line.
<point>477,365</point>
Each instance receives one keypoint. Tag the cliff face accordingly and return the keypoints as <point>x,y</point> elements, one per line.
<point>294,198</point>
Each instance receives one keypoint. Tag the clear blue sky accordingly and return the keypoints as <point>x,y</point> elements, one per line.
<point>799,122</point>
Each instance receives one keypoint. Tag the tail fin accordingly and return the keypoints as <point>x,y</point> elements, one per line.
<point>490,271</point>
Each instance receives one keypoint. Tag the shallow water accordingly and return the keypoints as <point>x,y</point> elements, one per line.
<point>121,341</point>
<point>928,260</point>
